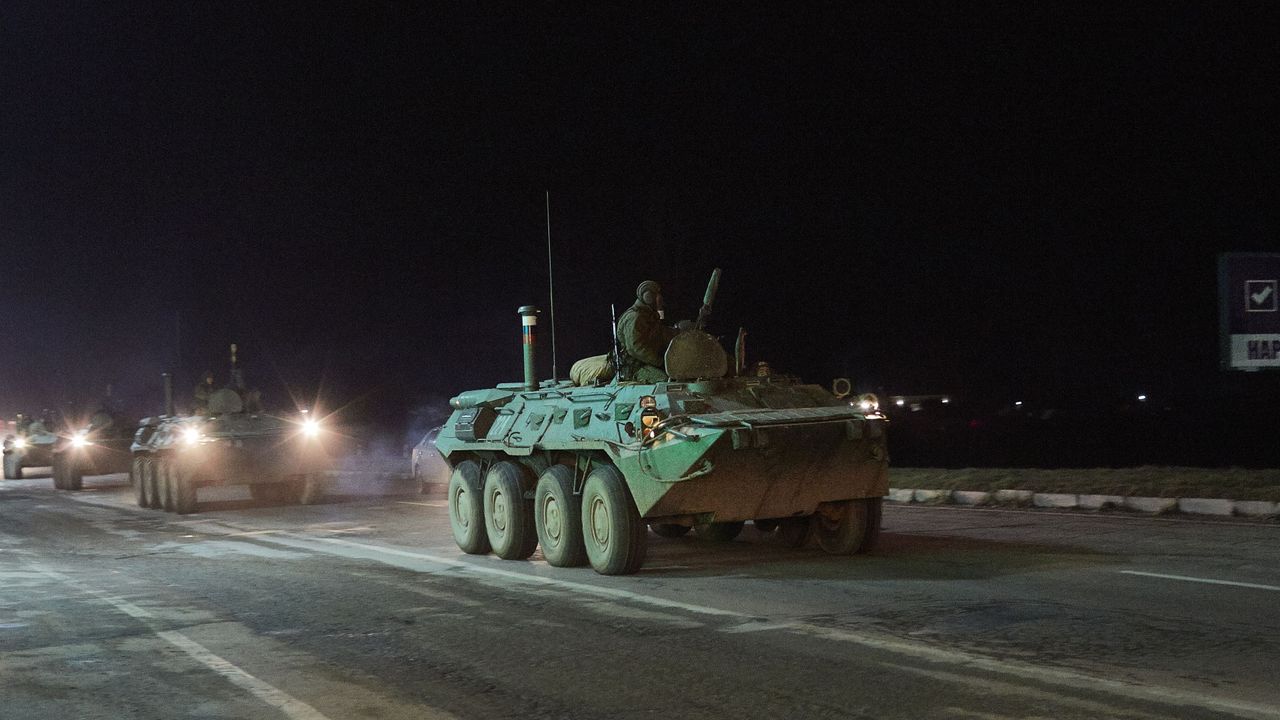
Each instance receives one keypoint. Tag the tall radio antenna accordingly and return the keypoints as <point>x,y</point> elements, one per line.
<point>551,282</point>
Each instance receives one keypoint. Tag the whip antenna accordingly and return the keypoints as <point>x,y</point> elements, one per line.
<point>551,283</point>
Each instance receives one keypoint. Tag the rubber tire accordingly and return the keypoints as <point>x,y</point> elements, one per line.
<point>844,534</point>
<point>875,508</point>
<point>138,478</point>
<point>553,499</point>
<point>59,475</point>
<point>795,532</point>
<point>669,530</point>
<point>154,484</point>
<point>466,509</point>
<point>765,527</point>
<point>12,467</point>
<point>719,532</point>
<point>182,488</point>
<point>311,488</point>
<point>73,478</point>
<point>164,480</point>
<point>613,533</point>
<point>508,517</point>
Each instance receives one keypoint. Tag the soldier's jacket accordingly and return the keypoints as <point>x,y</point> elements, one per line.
<point>644,343</point>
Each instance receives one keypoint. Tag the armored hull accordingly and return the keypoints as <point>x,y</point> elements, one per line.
<point>97,449</point>
<point>30,448</point>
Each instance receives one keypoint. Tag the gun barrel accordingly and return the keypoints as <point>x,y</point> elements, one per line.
<point>712,288</point>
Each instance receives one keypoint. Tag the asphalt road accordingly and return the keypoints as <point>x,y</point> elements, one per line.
<point>363,608</point>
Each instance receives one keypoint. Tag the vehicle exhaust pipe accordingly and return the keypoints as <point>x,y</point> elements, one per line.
<point>168,393</point>
<point>528,326</point>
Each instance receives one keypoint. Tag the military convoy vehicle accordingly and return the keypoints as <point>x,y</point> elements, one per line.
<point>230,442</point>
<point>585,471</point>
<point>99,448</point>
<point>31,445</point>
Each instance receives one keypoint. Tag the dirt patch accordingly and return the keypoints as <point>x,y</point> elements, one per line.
<point>1150,481</point>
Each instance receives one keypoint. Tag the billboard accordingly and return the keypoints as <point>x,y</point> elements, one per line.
<point>1249,310</point>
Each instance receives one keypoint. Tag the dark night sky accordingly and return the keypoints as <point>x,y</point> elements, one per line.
<point>937,197</point>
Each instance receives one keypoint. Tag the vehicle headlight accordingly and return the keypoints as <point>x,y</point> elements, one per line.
<point>311,427</point>
<point>19,443</point>
<point>191,435</point>
<point>79,440</point>
<point>868,403</point>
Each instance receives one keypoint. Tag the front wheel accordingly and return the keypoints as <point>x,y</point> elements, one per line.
<point>59,474</point>
<point>557,514</point>
<point>182,488</point>
<point>613,532</point>
<point>508,517</point>
<point>138,477</point>
<point>155,484</point>
<point>12,467</point>
<point>843,529</point>
<point>466,509</point>
<point>164,483</point>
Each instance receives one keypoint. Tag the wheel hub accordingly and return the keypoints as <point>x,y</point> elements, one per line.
<point>499,511</point>
<point>462,507</point>
<point>600,521</point>
<point>551,519</point>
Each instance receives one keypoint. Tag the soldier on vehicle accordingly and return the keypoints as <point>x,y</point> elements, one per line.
<point>643,337</point>
<point>202,393</point>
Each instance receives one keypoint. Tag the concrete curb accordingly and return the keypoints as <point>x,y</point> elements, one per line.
<point>1216,507</point>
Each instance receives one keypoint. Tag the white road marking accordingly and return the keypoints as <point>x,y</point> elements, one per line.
<point>1207,581</point>
<point>430,504</point>
<point>292,707</point>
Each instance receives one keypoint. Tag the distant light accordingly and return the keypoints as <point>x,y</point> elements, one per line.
<point>946,401</point>
<point>1142,398</point>
<point>1018,403</point>
<point>899,402</point>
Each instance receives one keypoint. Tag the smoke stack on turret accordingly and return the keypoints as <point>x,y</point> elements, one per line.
<point>168,393</point>
<point>528,327</point>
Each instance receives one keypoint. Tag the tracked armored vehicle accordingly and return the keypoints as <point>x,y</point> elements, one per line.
<point>230,442</point>
<point>586,471</point>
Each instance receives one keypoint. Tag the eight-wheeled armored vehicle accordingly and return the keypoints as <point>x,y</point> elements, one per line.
<point>101,447</point>
<point>31,445</point>
<point>230,442</point>
<point>583,471</point>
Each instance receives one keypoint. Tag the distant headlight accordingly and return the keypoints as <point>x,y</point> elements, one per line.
<point>19,443</point>
<point>191,435</point>
<point>310,427</point>
<point>868,403</point>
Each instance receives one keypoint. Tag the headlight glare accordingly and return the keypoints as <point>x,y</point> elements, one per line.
<point>310,427</point>
<point>191,435</point>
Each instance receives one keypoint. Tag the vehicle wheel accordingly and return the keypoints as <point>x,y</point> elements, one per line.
<point>59,475</point>
<point>765,526</point>
<point>73,477</point>
<point>558,518</point>
<point>719,532</point>
<point>508,517</point>
<point>669,530</point>
<point>12,467</point>
<point>141,485</point>
<point>311,488</point>
<point>164,479</point>
<point>155,484</point>
<point>466,509</point>
<point>182,488</point>
<point>795,532</point>
<point>613,532</point>
<point>842,532</point>
<point>875,507</point>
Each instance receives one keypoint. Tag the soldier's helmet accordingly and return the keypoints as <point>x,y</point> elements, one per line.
<point>648,286</point>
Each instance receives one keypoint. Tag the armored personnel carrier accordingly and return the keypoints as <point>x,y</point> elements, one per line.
<point>31,445</point>
<point>101,447</point>
<point>584,471</point>
<point>230,441</point>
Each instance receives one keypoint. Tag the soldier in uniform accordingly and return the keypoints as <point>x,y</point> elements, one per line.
<point>202,393</point>
<point>643,337</point>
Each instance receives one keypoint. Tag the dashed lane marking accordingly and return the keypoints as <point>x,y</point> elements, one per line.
<point>1206,581</point>
<point>292,707</point>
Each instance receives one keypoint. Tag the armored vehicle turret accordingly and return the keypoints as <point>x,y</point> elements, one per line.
<point>231,441</point>
<point>585,471</point>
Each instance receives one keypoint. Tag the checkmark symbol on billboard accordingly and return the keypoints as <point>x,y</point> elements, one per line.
<point>1262,295</point>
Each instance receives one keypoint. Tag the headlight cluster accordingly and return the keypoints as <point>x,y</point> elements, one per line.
<point>19,443</point>
<point>80,439</point>
<point>868,403</point>
<point>192,435</point>
<point>311,427</point>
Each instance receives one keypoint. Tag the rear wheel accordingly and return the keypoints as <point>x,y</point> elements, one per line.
<point>138,478</point>
<point>557,514</point>
<point>842,530</point>
<point>669,530</point>
<point>466,509</point>
<point>164,479</point>
<point>875,507</point>
<point>613,532</point>
<point>719,532</point>
<point>508,517</point>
